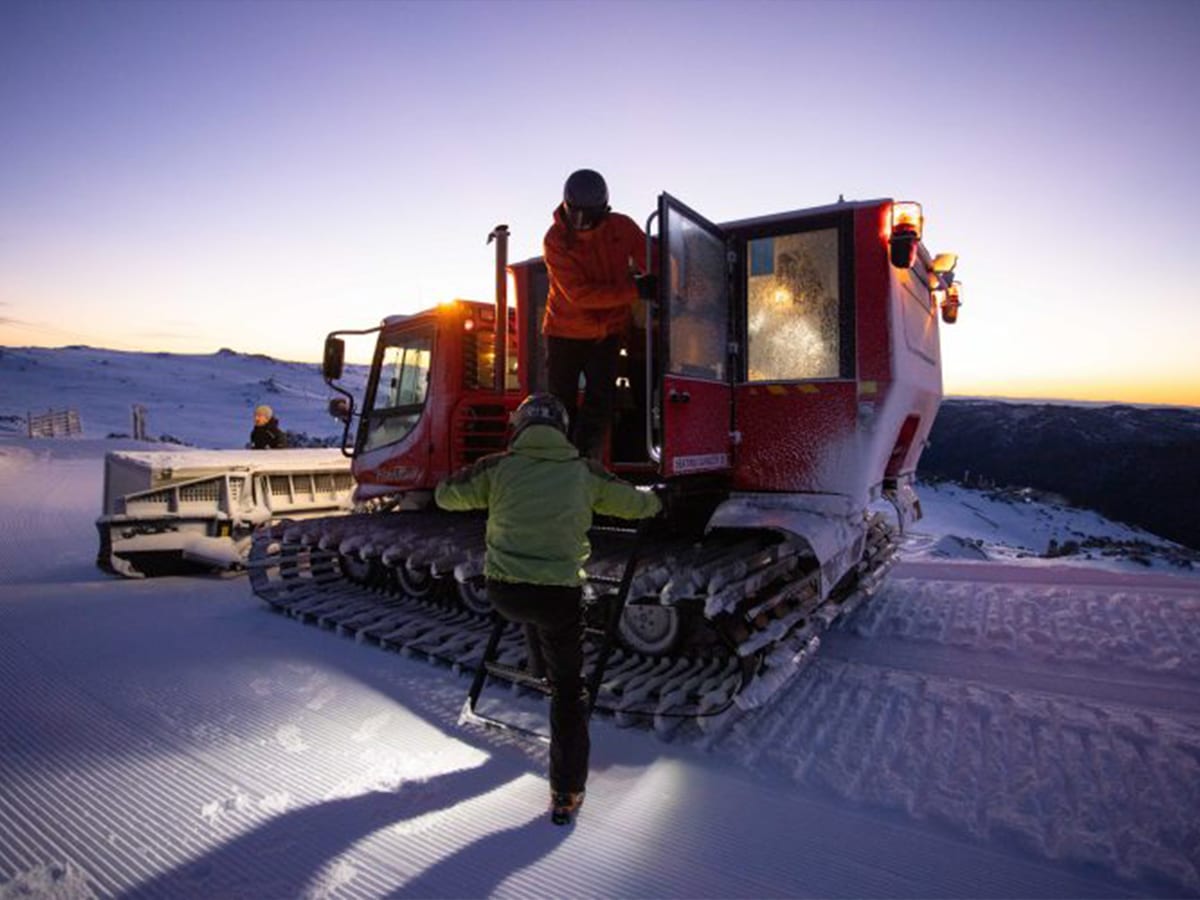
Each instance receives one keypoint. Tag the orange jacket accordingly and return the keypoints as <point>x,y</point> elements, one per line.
<point>591,276</point>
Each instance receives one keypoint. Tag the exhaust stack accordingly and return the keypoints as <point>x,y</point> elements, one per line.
<point>500,236</point>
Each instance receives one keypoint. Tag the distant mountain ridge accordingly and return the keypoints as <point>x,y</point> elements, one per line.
<point>1139,465</point>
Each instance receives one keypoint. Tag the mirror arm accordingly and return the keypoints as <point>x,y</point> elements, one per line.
<point>326,366</point>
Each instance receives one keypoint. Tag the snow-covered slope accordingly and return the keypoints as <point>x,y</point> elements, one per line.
<point>1009,727</point>
<point>202,400</point>
<point>965,524</point>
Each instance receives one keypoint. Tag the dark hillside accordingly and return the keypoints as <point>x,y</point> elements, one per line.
<point>1140,466</point>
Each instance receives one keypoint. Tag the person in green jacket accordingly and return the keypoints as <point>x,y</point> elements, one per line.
<point>540,496</point>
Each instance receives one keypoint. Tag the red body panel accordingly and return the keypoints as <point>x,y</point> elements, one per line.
<point>696,417</point>
<point>403,466</point>
<point>789,433</point>
<point>872,318</point>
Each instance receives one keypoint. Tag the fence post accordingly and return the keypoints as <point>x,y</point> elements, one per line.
<point>139,422</point>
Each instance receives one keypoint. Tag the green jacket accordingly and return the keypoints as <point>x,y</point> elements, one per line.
<point>540,496</point>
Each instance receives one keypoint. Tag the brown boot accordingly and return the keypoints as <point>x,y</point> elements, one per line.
<point>564,805</point>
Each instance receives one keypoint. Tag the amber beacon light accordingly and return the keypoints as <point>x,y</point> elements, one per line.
<point>905,233</point>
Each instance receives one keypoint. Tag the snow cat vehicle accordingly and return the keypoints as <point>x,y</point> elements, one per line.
<point>777,395</point>
<point>169,512</point>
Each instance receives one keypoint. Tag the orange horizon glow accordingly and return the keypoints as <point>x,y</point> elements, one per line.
<point>1156,392</point>
<point>1115,391</point>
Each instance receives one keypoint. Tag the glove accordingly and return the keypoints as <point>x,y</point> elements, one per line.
<point>647,286</point>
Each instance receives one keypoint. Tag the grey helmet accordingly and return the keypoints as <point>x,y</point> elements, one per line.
<point>540,409</point>
<point>585,199</point>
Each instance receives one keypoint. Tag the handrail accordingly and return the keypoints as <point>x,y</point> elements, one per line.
<point>652,450</point>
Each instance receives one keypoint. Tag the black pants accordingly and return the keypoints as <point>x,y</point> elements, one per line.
<point>557,620</point>
<point>566,360</point>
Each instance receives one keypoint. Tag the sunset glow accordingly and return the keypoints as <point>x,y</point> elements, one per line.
<point>188,176</point>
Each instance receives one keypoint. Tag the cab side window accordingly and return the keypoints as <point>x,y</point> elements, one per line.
<point>793,301</point>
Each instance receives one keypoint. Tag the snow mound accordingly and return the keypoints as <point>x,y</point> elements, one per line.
<point>951,546</point>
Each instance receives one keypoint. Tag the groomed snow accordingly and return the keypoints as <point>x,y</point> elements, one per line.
<point>978,729</point>
<point>991,724</point>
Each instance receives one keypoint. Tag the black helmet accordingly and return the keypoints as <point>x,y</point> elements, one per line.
<point>539,409</point>
<point>585,188</point>
<point>585,199</point>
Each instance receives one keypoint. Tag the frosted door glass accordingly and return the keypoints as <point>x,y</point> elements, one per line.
<point>697,304</point>
<point>792,306</point>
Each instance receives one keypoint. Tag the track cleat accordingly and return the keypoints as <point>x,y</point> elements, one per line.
<point>564,805</point>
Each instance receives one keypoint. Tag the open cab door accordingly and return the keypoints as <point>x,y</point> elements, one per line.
<point>689,339</point>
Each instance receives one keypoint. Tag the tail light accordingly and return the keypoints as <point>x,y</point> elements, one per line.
<point>905,233</point>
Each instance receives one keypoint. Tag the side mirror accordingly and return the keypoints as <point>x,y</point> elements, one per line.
<point>943,267</point>
<point>339,408</point>
<point>335,357</point>
<point>944,263</point>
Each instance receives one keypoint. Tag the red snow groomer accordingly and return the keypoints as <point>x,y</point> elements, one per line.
<point>781,387</point>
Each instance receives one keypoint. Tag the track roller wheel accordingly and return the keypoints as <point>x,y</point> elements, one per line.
<point>356,569</point>
<point>650,628</point>
<point>472,593</point>
<point>417,584</point>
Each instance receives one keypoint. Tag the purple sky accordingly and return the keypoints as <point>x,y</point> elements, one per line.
<point>187,176</point>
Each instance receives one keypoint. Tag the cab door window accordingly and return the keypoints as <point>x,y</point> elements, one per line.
<point>697,300</point>
<point>793,306</point>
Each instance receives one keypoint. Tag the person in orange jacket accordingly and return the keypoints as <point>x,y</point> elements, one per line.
<point>596,260</point>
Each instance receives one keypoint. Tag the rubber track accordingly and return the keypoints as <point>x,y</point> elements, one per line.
<point>297,568</point>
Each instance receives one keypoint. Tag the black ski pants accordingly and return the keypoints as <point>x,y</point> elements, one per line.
<point>556,617</point>
<point>596,360</point>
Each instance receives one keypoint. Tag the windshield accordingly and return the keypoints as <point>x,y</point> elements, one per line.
<point>400,391</point>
